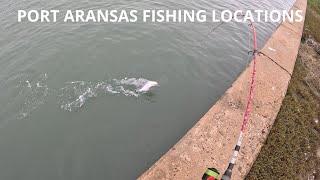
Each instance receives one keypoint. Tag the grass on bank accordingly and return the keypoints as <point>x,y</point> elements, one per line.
<point>312,21</point>
<point>314,4</point>
<point>292,148</point>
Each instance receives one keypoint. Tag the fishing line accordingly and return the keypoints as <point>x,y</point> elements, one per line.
<point>261,53</point>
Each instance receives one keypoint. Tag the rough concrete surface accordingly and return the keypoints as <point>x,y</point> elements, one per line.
<point>211,141</point>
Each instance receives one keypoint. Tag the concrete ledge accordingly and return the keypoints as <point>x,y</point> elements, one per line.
<point>211,141</point>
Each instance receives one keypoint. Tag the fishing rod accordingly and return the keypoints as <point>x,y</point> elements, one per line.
<point>212,173</point>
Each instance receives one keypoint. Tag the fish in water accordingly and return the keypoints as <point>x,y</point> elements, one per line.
<point>147,86</point>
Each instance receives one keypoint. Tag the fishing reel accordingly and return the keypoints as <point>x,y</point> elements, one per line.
<point>213,174</point>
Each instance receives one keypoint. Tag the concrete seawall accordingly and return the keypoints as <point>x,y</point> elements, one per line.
<point>211,141</point>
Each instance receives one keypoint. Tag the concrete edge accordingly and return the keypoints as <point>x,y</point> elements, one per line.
<point>209,143</point>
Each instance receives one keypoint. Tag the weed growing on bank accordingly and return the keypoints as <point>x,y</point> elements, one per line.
<point>292,149</point>
<point>312,21</point>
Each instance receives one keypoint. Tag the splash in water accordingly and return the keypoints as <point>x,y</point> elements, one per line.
<point>75,94</point>
<point>33,91</point>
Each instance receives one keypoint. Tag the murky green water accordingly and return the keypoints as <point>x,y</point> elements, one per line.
<point>69,108</point>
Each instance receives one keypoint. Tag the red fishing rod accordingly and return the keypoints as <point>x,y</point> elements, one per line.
<point>227,174</point>
<point>212,173</point>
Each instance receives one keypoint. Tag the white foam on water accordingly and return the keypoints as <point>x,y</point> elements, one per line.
<point>34,92</point>
<point>28,84</point>
<point>79,102</point>
<point>110,89</point>
<point>75,94</point>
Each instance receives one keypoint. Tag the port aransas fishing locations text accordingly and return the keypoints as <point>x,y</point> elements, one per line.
<point>157,16</point>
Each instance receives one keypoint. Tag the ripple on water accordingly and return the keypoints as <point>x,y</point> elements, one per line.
<point>35,92</point>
